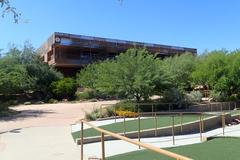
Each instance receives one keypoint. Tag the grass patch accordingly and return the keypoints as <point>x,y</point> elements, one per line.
<point>215,149</point>
<point>132,125</point>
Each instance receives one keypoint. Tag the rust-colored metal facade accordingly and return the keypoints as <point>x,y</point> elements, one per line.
<point>69,53</point>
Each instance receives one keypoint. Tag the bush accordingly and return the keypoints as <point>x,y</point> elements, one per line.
<point>4,106</point>
<point>217,96</point>
<point>194,96</point>
<point>125,106</point>
<point>82,95</point>
<point>96,113</point>
<point>233,97</point>
<point>51,100</point>
<point>172,95</point>
<point>64,89</point>
<point>93,115</point>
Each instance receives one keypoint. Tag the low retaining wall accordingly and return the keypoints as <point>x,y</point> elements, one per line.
<point>214,107</point>
<point>187,128</point>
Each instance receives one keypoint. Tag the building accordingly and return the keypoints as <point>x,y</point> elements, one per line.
<point>69,53</point>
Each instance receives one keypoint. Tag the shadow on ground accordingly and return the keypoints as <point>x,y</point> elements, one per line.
<point>26,114</point>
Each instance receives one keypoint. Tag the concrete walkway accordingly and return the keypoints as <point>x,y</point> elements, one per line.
<point>39,143</point>
<point>43,132</point>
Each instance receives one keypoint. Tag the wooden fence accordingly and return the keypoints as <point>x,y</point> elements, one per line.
<point>137,143</point>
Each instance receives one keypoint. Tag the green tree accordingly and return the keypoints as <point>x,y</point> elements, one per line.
<point>233,73</point>
<point>179,69</point>
<point>22,71</point>
<point>134,74</point>
<point>211,70</point>
<point>87,77</point>
<point>8,8</point>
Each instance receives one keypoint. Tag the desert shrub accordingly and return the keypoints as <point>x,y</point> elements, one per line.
<point>92,116</point>
<point>110,111</point>
<point>51,100</point>
<point>172,95</point>
<point>96,113</point>
<point>194,96</point>
<point>82,95</point>
<point>64,88</point>
<point>4,106</point>
<point>125,106</point>
<point>217,96</point>
<point>233,97</point>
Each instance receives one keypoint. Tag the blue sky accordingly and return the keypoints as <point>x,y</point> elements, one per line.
<point>205,24</point>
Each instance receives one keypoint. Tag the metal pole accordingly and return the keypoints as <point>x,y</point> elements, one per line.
<point>200,127</point>
<point>181,121</point>
<point>173,130</point>
<point>223,123</point>
<point>103,146</point>
<point>82,140</point>
<point>124,125</point>
<point>155,123</point>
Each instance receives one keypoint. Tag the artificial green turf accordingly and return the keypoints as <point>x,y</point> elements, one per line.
<point>132,125</point>
<point>215,149</point>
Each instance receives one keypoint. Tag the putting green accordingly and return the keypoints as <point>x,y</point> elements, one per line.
<point>215,149</point>
<point>132,125</point>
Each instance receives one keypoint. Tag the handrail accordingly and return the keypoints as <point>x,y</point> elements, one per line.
<point>144,145</point>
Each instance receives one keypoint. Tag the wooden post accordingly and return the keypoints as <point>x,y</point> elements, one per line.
<point>134,109</point>
<point>173,134</point>
<point>181,121</point>
<point>202,117</point>
<point>139,129</point>
<point>101,111</point>
<point>152,110</point>
<point>124,125</point>
<point>139,126</point>
<point>115,114</point>
<point>82,140</point>
<point>239,115</point>
<point>155,123</point>
<point>103,146</point>
<point>221,106</point>
<point>223,123</point>
<point>235,105</point>
<point>229,106</point>
<point>200,127</point>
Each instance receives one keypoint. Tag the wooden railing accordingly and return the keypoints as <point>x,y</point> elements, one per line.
<point>137,143</point>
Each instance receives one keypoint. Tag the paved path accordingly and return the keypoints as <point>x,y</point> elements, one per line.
<point>43,132</point>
